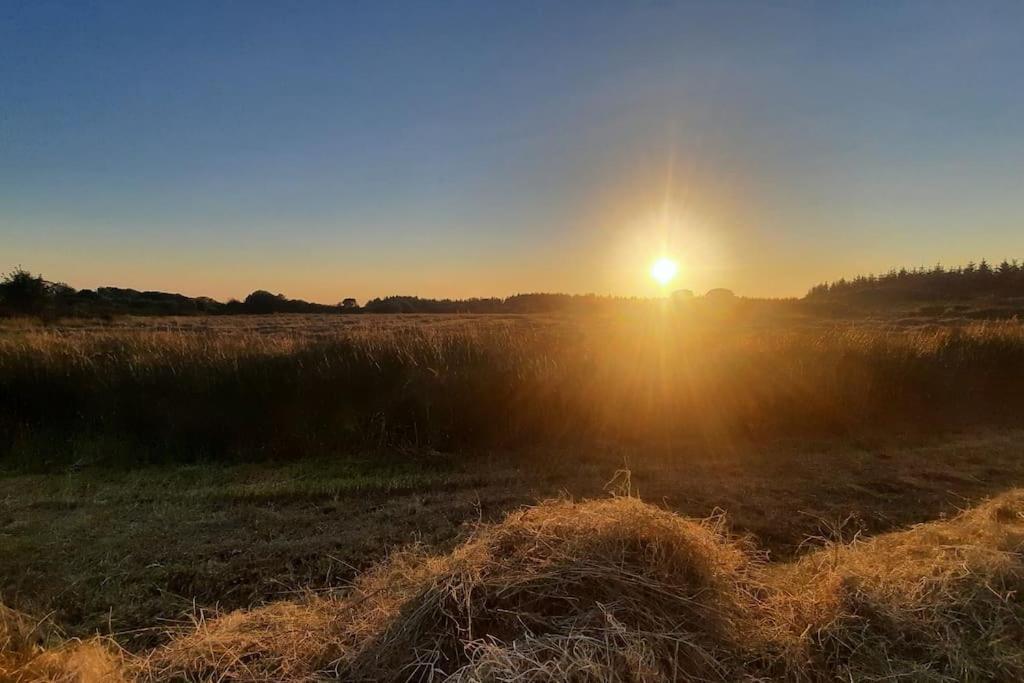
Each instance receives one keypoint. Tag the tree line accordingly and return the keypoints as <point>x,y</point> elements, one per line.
<point>22,293</point>
<point>938,283</point>
<point>519,303</point>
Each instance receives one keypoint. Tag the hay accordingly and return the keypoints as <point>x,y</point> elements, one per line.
<point>617,590</point>
<point>646,592</point>
<point>285,641</point>
<point>31,651</point>
<point>939,602</point>
<point>562,586</point>
<point>20,634</point>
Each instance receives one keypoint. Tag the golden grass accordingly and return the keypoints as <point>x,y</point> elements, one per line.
<point>939,602</point>
<point>31,651</point>
<point>554,576</point>
<point>619,590</point>
<point>166,394</point>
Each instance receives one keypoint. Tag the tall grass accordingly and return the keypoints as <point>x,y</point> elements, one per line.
<point>67,394</point>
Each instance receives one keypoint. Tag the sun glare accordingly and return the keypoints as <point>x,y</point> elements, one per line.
<point>664,270</point>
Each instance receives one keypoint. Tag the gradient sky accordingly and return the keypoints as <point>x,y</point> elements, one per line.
<point>333,149</point>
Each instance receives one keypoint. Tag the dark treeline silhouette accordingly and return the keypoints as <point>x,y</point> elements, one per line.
<point>262,301</point>
<point>22,293</point>
<point>414,304</point>
<point>972,281</point>
<point>519,303</point>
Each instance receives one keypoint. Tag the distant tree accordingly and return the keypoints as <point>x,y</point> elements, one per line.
<point>23,293</point>
<point>720,294</point>
<point>819,290</point>
<point>349,304</point>
<point>262,301</point>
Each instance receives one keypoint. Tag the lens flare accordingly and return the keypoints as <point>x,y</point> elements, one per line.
<point>664,270</point>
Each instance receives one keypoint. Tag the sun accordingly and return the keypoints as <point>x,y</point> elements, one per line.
<point>664,270</point>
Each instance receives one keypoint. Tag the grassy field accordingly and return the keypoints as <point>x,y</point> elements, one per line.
<point>140,554</point>
<point>130,552</point>
<point>186,391</point>
<point>158,471</point>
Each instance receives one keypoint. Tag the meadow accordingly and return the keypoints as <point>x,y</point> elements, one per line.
<point>291,497</point>
<point>184,390</point>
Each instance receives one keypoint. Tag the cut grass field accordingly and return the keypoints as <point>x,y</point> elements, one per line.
<point>132,553</point>
<point>612,589</point>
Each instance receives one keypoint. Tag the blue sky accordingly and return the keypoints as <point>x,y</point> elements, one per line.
<point>331,149</point>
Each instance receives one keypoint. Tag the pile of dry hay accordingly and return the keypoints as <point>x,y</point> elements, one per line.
<point>32,650</point>
<point>617,590</point>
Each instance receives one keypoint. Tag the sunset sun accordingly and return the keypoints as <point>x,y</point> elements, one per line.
<point>664,270</point>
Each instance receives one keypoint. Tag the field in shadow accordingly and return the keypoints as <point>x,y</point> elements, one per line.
<point>129,552</point>
<point>607,590</point>
<point>127,396</point>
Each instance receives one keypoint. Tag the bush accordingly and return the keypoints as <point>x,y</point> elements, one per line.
<point>22,293</point>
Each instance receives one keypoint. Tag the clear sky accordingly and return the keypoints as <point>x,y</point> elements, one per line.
<point>332,149</point>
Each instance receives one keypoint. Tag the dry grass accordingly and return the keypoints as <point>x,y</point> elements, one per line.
<point>939,602</point>
<point>124,552</point>
<point>31,651</point>
<point>619,590</point>
<point>188,392</point>
<point>634,585</point>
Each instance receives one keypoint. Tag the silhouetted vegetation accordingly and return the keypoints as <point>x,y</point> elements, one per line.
<point>519,303</point>
<point>262,301</point>
<point>33,296</point>
<point>24,294</point>
<point>972,281</point>
<point>414,304</point>
<point>168,394</point>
